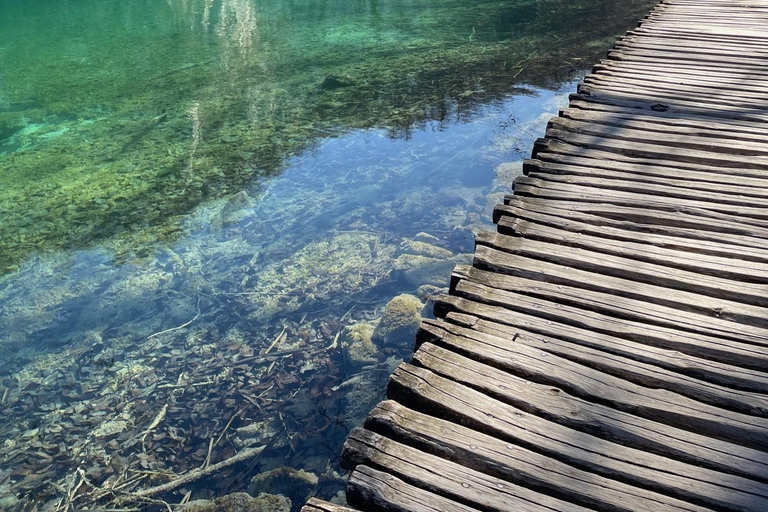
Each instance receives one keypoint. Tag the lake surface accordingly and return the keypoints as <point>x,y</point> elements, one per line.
<point>220,221</point>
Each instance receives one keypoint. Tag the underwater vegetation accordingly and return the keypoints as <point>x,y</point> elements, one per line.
<point>103,144</point>
<point>221,221</point>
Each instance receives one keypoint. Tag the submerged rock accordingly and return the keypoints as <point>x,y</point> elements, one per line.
<point>333,82</point>
<point>235,209</point>
<point>6,502</point>
<point>422,263</point>
<point>358,347</point>
<point>241,502</point>
<point>287,481</point>
<point>399,322</point>
<point>425,249</point>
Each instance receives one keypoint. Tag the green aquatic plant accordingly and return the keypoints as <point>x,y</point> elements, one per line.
<point>115,155</point>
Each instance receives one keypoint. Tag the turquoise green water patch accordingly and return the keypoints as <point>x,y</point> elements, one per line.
<point>118,117</point>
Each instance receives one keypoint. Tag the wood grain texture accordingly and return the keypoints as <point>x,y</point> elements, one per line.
<point>316,505</point>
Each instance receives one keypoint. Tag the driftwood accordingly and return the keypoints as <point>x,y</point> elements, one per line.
<point>200,473</point>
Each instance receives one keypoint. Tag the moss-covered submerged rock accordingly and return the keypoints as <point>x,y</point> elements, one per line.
<point>399,322</point>
<point>241,502</point>
<point>296,484</point>
<point>358,348</point>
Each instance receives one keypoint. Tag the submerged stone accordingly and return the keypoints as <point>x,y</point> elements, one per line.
<point>287,481</point>
<point>358,347</point>
<point>235,209</point>
<point>333,82</point>
<point>399,322</point>
<point>241,502</point>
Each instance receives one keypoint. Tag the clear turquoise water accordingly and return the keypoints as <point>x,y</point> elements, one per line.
<point>183,183</point>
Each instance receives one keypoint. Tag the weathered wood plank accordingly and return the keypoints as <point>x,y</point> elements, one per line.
<point>723,75</point>
<point>646,44</point>
<point>554,424</point>
<point>561,152</point>
<point>678,105</point>
<point>530,187</point>
<point>669,225</point>
<point>685,40</point>
<point>651,175</point>
<point>699,59</point>
<point>377,490</point>
<point>495,347</point>
<point>709,141</point>
<point>508,215</point>
<point>714,330</point>
<point>660,91</point>
<point>710,146</point>
<point>650,149</point>
<point>637,83</point>
<point>655,187</point>
<point>443,477</point>
<point>641,249</point>
<point>629,268</point>
<point>524,467</point>
<point>656,404</point>
<point>663,122</point>
<point>316,505</point>
<point>494,260</point>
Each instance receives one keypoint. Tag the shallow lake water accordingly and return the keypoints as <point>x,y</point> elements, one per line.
<point>221,220</point>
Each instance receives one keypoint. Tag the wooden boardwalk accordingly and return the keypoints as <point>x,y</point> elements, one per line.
<point>608,348</point>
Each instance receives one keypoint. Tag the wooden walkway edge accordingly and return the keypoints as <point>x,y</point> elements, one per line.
<point>608,347</point>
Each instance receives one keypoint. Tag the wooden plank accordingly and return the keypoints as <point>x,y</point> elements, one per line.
<point>684,43</point>
<point>686,83</point>
<point>657,404</point>
<point>629,268</point>
<point>612,305</point>
<point>683,37</point>
<point>671,70</point>
<point>660,121</point>
<point>746,63</point>
<point>372,489</point>
<point>678,105</point>
<point>636,82</point>
<point>564,153</point>
<point>506,216</point>
<point>691,33</point>
<point>598,357</point>
<point>641,249</point>
<point>543,332</point>
<point>679,178</point>
<point>668,189</point>
<point>443,477</point>
<point>524,467</point>
<point>491,259</point>
<point>653,149</point>
<point>723,75</point>
<point>316,505</point>
<point>530,187</point>
<point>674,232</point>
<point>663,91</point>
<point>554,424</point>
<point>648,133</point>
<point>647,45</point>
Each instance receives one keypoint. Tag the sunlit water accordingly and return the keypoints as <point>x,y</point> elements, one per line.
<point>206,205</point>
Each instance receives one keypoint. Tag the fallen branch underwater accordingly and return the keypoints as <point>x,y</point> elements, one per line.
<point>200,473</point>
